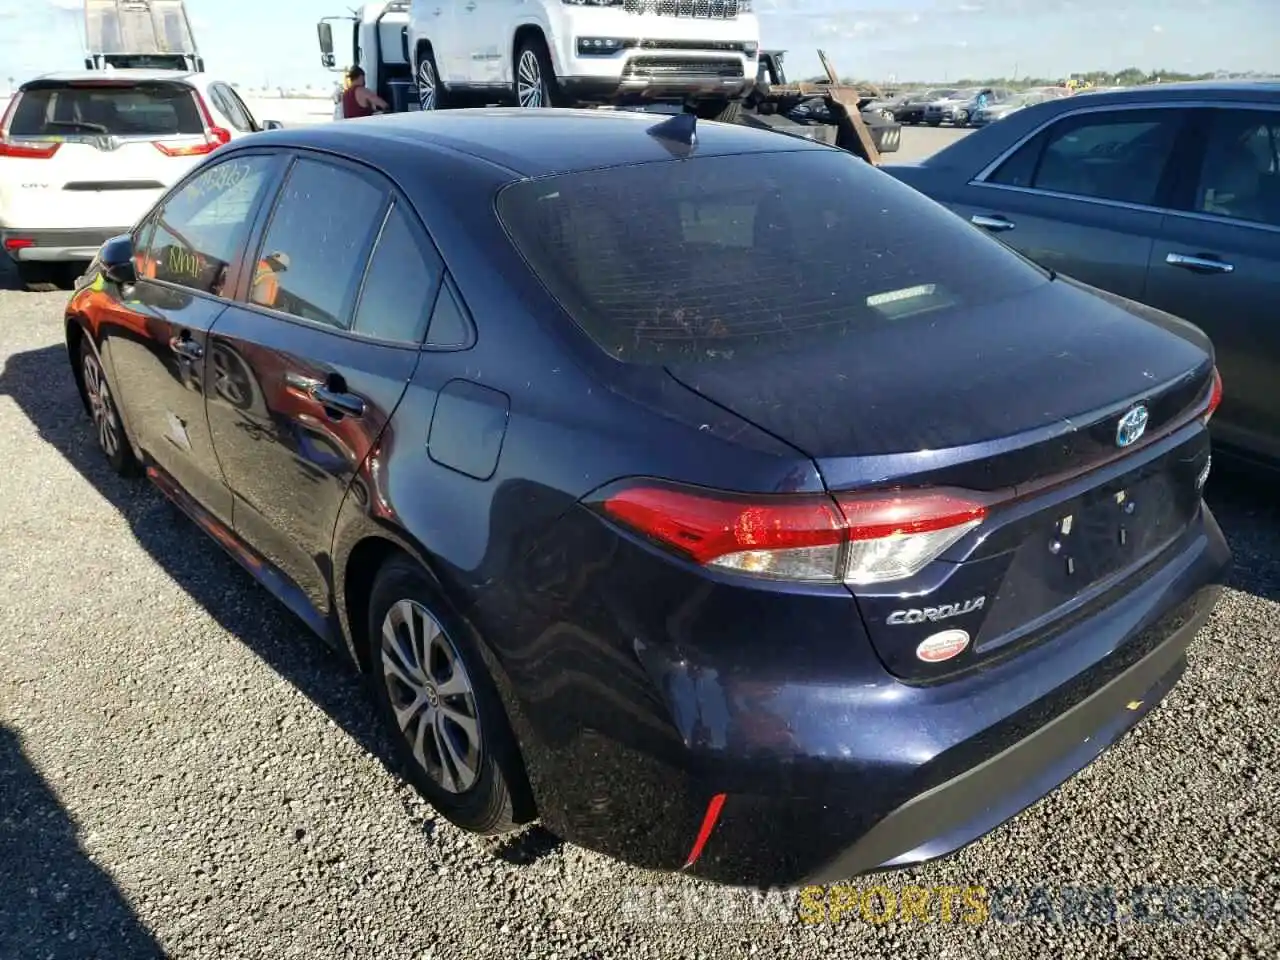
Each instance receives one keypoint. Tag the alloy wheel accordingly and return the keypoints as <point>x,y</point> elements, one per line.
<point>432,696</point>
<point>101,406</point>
<point>427,92</point>
<point>531,87</point>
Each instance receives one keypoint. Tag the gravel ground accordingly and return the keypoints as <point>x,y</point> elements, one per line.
<point>185,771</point>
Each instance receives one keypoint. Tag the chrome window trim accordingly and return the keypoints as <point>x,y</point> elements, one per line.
<point>1056,194</point>
<point>981,179</point>
<point>1223,221</point>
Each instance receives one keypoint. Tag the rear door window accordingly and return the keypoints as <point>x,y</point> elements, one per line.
<point>721,257</point>
<point>119,110</point>
<point>228,104</point>
<point>1240,173</point>
<point>317,243</point>
<point>1116,155</point>
<point>242,107</point>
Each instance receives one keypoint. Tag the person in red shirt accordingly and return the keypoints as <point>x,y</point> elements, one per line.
<point>358,100</point>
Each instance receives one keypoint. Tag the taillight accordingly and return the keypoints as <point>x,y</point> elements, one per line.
<point>28,150</point>
<point>190,148</point>
<point>18,243</point>
<point>894,537</point>
<point>1215,396</point>
<point>214,136</point>
<point>857,539</point>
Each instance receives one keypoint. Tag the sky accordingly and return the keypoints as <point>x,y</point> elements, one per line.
<point>260,42</point>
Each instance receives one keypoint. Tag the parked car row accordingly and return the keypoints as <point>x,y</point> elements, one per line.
<point>1000,109</point>
<point>962,106</point>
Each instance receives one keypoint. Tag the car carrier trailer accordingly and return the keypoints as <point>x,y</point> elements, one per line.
<point>375,37</point>
<point>829,112</point>
<point>148,34</point>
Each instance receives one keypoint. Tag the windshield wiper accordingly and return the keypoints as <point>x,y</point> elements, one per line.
<point>78,125</point>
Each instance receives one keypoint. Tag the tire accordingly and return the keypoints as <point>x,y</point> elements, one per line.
<point>535,84</point>
<point>107,425</point>
<point>427,77</point>
<point>961,120</point>
<point>479,785</point>
<point>722,111</point>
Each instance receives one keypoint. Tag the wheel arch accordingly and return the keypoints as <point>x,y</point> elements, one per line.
<point>360,554</point>
<point>75,333</point>
<point>524,32</point>
<point>425,44</point>
<point>376,545</point>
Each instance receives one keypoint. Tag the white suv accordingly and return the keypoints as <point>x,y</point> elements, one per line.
<point>565,52</point>
<point>84,155</point>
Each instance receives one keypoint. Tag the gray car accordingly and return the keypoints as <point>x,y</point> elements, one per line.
<point>1002,109</point>
<point>1166,194</point>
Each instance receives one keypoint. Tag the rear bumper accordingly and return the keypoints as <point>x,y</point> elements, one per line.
<point>57,246</point>
<point>985,774</point>
<point>641,706</point>
<point>639,90</point>
<point>959,811</point>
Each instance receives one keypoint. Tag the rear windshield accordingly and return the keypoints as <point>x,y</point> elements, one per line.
<point>706,260</point>
<point>121,111</point>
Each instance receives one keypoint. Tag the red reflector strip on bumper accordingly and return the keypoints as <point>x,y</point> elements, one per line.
<point>704,833</point>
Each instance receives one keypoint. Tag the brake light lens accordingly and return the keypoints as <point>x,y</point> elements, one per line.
<point>891,538</point>
<point>18,243</point>
<point>27,149</point>
<point>214,136</point>
<point>860,539</point>
<point>1215,395</point>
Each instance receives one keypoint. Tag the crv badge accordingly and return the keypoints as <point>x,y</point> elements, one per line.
<point>1131,426</point>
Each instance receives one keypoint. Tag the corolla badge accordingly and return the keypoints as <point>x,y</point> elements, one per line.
<point>1131,426</point>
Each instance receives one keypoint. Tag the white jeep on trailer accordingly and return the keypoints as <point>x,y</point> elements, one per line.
<point>699,54</point>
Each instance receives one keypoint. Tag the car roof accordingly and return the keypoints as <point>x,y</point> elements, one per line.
<point>132,73</point>
<point>532,143</point>
<point>1200,89</point>
<point>974,152</point>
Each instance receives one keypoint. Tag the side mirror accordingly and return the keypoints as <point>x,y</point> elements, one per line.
<point>325,32</point>
<point>272,125</point>
<point>116,257</point>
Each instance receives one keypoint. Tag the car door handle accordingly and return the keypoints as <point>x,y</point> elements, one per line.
<point>991,223</point>
<point>1199,264</point>
<point>186,348</point>
<point>469,7</point>
<point>347,404</point>
<point>331,393</point>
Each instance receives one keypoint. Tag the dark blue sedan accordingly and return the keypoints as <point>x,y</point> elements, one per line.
<point>708,494</point>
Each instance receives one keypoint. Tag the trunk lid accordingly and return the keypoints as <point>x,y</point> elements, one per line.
<point>985,397</point>
<point>1021,399</point>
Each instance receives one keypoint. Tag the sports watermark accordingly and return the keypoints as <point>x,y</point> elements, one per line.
<point>973,905</point>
